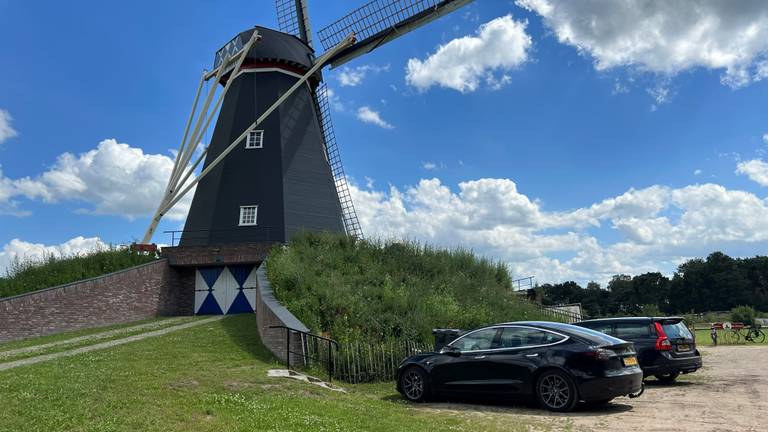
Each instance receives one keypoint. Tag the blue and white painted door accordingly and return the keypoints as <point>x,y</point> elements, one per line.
<point>223,290</point>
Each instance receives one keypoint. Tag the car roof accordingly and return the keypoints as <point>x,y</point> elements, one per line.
<point>569,329</point>
<point>653,319</point>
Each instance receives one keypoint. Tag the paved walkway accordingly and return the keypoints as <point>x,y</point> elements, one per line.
<point>104,345</point>
<point>90,337</point>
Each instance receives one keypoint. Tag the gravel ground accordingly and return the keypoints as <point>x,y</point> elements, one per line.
<point>730,393</point>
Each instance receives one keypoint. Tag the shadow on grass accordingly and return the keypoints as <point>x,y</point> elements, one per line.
<point>520,406</point>
<point>243,331</point>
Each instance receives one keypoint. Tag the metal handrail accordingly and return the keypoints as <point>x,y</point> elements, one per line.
<point>288,352</point>
<point>263,231</point>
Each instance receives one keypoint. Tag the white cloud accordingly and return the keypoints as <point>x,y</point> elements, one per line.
<point>26,251</point>
<point>658,227</point>
<point>351,77</point>
<point>367,115</point>
<point>665,37</point>
<point>464,63</point>
<point>756,170</point>
<point>334,100</point>
<point>765,138</point>
<point>6,131</point>
<point>114,178</point>
<point>697,172</point>
<point>429,166</point>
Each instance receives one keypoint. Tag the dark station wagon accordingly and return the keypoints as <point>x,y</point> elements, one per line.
<point>665,347</point>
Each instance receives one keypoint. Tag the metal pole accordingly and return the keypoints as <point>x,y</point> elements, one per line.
<point>319,64</point>
<point>288,348</point>
<point>330,363</point>
<point>243,53</point>
<point>186,129</point>
<point>190,148</point>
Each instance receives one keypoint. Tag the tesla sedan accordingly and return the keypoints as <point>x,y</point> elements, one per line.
<point>557,364</point>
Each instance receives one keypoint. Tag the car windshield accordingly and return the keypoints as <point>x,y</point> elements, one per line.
<point>592,336</point>
<point>676,330</point>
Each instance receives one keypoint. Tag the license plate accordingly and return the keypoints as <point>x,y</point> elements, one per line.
<point>630,361</point>
<point>683,347</point>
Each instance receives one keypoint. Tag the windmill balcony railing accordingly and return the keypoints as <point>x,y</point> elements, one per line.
<point>236,235</point>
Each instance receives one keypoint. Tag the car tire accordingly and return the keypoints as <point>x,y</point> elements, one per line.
<point>414,384</point>
<point>667,378</point>
<point>556,391</point>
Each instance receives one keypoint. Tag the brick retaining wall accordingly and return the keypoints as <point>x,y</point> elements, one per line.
<point>145,291</point>
<point>269,312</point>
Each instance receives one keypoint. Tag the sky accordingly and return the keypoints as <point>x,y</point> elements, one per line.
<point>573,140</point>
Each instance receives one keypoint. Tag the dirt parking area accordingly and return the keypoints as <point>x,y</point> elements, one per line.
<point>730,393</point>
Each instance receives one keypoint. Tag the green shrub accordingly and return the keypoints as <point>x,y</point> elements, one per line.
<point>373,291</point>
<point>32,275</point>
<point>744,314</point>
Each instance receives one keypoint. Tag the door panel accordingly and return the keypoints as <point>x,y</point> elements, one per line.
<point>469,371</point>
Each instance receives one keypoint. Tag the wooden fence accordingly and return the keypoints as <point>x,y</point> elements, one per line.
<point>361,362</point>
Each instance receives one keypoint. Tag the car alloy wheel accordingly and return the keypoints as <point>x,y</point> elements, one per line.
<point>556,391</point>
<point>414,384</point>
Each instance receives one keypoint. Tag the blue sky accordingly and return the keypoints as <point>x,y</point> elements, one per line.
<point>569,150</point>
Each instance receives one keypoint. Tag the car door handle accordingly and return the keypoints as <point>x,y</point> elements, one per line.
<point>480,357</point>
<point>531,355</point>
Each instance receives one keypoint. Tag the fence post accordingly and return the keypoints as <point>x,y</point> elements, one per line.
<point>288,348</point>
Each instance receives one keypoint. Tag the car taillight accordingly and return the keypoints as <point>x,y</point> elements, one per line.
<point>662,341</point>
<point>600,354</point>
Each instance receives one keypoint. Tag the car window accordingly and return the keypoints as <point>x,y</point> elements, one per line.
<point>514,337</point>
<point>476,341</point>
<point>582,332</point>
<point>632,330</point>
<point>676,330</point>
<point>599,326</point>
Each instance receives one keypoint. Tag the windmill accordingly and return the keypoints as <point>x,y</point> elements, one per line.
<point>273,166</point>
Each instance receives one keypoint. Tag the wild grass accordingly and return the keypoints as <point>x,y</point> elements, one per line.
<point>356,290</point>
<point>23,276</point>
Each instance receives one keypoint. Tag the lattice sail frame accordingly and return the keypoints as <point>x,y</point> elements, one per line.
<point>351,222</point>
<point>380,21</point>
<point>292,18</point>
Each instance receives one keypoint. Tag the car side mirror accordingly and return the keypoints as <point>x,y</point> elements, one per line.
<point>451,351</point>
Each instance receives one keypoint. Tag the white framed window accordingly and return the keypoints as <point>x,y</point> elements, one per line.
<point>255,139</point>
<point>248,215</point>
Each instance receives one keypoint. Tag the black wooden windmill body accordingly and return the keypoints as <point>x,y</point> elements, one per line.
<point>272,166</point>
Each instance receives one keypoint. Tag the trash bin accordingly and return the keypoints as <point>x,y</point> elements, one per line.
<point>444,336</point>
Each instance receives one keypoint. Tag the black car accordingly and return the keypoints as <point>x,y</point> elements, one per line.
<point>558,364</point>
<point>665,347</point>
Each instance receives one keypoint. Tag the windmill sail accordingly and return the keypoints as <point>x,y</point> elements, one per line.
<point>381,21</point>
<point>351,223</point>
<point>292,18</point>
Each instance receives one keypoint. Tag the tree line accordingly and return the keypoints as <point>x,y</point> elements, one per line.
<point>717,283</point>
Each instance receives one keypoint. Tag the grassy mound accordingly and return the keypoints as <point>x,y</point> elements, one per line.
<point>27,276</point>
<point>374,291</point>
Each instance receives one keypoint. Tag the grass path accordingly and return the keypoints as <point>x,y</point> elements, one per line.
<point>90,337</point>
<point>103,345</point>
<point>208,377</point>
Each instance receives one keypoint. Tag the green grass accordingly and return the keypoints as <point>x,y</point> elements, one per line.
<point>703,338</point>
<point>370,291</point>
<point>66,341</point>
<point>207,378</point>
<point>21,343</point>
<point>27,276</point>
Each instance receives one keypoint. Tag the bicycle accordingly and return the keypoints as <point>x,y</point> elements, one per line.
<point>754,334</point>
<point>731,335</point>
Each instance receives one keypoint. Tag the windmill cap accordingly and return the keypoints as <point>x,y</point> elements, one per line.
<point>274,48</point>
